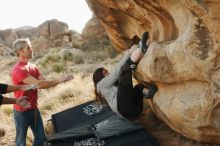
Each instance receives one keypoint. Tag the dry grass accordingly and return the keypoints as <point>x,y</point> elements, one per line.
<point>69,94</point>
<point>7,110</point>
<point>56,99</point>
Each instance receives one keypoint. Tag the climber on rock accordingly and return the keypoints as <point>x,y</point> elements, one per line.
<point>116,88</point>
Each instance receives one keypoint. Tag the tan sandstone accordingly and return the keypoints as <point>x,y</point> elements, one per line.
<point>183,58</point>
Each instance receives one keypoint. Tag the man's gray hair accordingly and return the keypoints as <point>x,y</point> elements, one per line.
<point>21,43</point>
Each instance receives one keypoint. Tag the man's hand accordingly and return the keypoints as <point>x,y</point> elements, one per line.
<point>21,101</point>
<point>65,78</point>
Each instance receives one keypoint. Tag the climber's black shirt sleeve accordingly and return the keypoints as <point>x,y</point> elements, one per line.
<point>1,98</point>
<point>3,88</point>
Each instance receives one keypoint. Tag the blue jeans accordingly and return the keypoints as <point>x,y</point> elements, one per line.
<point>25,119</point>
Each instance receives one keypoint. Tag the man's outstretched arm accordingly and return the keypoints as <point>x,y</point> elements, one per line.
<point>45,84</point>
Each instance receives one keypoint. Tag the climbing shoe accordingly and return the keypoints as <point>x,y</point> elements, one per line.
<point>152,89</point>
<point>143,42</point>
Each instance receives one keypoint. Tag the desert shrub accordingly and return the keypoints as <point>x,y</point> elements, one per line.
<point>50,57</point>
<point>59,67</point>
<point>75,56</point>
<point>100,56</point>
<point>94,56</point>
<point>78,59</point>
<point>53,57</point>
<point>77,45</point>
<point>99,50</point>
<point>112,52</point>
<point>68,56</point>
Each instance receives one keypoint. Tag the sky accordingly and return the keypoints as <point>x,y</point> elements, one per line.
<point>18,13</point>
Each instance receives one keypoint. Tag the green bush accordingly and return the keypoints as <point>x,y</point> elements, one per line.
<point>112,52</point>
<point>49,58</point>
<point>53,57</point>
<point>76,58</point>
<point>68,56</point>
<point>59,67</point>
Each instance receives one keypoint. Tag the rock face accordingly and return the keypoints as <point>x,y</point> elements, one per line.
<point>183,58</point>
<point>51,33</point>
<point>93,30</point>
<point>94,35</point>
<point>54,33</point>
<point>7,36</point>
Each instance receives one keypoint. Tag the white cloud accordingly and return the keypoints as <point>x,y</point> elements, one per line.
<point>18,13</point>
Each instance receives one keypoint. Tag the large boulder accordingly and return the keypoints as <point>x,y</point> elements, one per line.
<point>93,30</point>
<point>26,32</point>
<point>53,29</point>
<point>49,34</point>
<point>94,36</point>
<point>5,51</point>
<point>8,36</point>
<point>183,58</point>
<point>41,44</point>
<point>75,38</point>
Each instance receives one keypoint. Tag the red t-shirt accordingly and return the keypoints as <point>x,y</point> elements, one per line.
<point>20,71</point>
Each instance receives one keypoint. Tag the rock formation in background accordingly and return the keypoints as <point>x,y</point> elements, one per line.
<point>51,34</point>
<point>7,36</point>
<point>183,58</point>
<point>94,35</point>
<point>93,30</point>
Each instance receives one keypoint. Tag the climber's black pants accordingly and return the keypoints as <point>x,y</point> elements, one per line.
<point>129,98</point>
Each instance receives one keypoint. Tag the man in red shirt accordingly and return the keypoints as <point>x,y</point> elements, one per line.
<point>25,73</point>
